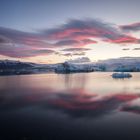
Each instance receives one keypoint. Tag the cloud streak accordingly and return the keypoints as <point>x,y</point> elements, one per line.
<point>75,49</point>
<point>84,30</point>
<point>131,27</point>
<point>74,54</point>
<point>136,49</point>
<point>126,49</point>
<point>23,51</point>
<point>73,37</point>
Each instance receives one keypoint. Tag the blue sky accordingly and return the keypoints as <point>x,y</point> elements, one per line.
<point>27,27</point>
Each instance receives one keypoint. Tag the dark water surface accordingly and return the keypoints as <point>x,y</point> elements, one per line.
<point>69,107</point>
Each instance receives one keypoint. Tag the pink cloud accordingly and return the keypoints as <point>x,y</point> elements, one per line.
<point>74,33</point>
<point>125,40</point>
<point>131,27</point>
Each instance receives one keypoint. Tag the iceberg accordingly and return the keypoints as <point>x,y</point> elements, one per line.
<point>68,67</point>
<point>121,75</point>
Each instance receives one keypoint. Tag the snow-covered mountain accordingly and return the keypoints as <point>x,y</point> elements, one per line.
<point>10,67</point>
<point>121,64</point>
<point>82,64</point>
<point>121,60</point>
<point>68,67</point>
<point>128,64</point>
<point>10,64</point>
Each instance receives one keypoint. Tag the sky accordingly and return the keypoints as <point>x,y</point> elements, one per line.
<point>53,31</point>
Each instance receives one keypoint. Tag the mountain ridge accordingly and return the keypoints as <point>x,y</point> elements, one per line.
<point>126,64</point>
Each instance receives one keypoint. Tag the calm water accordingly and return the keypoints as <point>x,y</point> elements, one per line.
<point>67,107</point>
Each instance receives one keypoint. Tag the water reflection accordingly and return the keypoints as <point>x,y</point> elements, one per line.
<point>76,103</point>
<point>85,106</point>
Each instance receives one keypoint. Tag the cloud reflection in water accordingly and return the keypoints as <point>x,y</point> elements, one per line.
<point>74,103</point>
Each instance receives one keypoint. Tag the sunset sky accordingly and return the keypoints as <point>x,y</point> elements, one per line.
<point>52,31</point>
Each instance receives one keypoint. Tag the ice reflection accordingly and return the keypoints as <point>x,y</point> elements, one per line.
<point>74,81</point>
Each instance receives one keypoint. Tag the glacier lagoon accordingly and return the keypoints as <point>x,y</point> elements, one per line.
<point>69,106</point>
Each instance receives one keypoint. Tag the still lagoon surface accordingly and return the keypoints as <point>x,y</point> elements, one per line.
<point>69,106</point>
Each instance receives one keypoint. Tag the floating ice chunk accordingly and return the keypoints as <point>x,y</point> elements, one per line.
<point>121,75</point>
